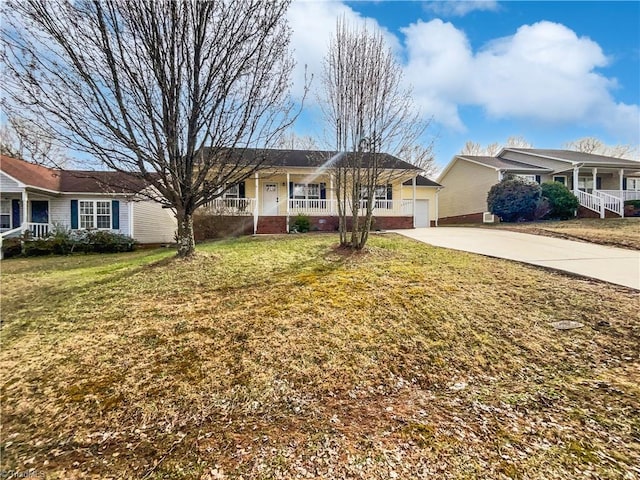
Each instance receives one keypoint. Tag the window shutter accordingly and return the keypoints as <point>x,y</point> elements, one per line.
<point>115,214</point>
<point>15,213</point>
<point>624,183</point>
<point>389,191</point>
<point>74,214</point>
<point>241,190</point>
<point>290,189</point>
<point>323,191</point>
<point>598,183</point>
<point>538,179</point>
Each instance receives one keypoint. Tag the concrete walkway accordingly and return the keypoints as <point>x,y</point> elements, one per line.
<point>614,265</point>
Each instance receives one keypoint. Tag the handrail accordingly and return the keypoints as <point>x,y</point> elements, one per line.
<point>592,202</point>
<point>611,202</point>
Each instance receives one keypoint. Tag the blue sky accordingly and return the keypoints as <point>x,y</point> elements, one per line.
<point>551,72</point>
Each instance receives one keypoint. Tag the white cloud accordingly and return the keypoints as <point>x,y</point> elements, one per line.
<point>313,24</point>
<point>543,72</point>
<point>460,8</point>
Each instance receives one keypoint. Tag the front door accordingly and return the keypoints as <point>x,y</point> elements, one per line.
<point>270,199</point>
<point>40,211</point>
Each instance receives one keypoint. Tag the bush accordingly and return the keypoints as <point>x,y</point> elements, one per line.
<point>514,199</point>
<point>562,201</point>
<point>633,203</point>
<point>11,247</point>
<point>61,241</point>
<point>301,224</point>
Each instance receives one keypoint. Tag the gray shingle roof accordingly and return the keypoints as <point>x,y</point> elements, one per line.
<point>578,157</point>
<point>311,158</point>
<point>504,164</point>
<point>422,182</point>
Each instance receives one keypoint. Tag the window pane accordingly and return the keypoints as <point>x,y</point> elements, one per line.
<point>313,190</point>
<point>103,208</point>
<point>86,208</point>
<point>381,192</point>
<point>5,207</point>
<point>233,192</point>
<point>104,221</point>
<point>86,221</point>
<point>5,221</point>
<point>299,190</point>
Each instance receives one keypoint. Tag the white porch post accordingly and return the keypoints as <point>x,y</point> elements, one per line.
<point>575,179</point>
<point>287,197</point>
<point>25,203</point>
<point>255,205</point>
<point>131,230</point>
<point>594,172</point>
<point>332,194</point>
<point>437,210</point>
<point>413,210</point>
<point>621,196</point>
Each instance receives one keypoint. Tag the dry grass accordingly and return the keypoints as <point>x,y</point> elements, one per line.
<point>284,358</point>
<point>619,232</point>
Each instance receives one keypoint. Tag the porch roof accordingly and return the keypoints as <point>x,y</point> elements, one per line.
<point>586,159</point>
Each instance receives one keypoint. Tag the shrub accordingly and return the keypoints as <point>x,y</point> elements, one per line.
<point>562,201</point>
<point>633,203</point>
<point>100,241</point>
<point>61,241</point>
<point>301,224</point>
<point>11,247</point>
<point>514,199</point>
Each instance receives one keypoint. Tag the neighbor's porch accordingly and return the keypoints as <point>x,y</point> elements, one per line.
<point>25,212</point>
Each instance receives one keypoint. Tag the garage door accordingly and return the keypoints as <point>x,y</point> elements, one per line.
<point>421,218</point>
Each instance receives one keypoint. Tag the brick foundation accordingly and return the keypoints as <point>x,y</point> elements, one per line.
<point>459,219</point>
<point>584,212</point>
<point>392,223</point>
<point>272,225</point>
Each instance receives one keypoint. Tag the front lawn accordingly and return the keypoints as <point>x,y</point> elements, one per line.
<point>617,232</point>
<point>281,357</point>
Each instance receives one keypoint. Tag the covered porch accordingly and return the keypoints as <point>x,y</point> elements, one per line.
<point>26,212</point>
<point>602,188</point>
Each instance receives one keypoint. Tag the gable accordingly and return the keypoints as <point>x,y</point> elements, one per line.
<point>8,184</point>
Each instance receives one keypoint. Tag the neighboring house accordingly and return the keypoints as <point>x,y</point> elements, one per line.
<point>35,198</point>
<point>602,184</point>
<point>301,182</point>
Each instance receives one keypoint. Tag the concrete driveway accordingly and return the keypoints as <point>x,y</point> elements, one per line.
<point>614,265</point>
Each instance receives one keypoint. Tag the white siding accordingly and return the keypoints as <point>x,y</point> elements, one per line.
<point>152,223</point>
<point>9,185</point>
<point>60,211</point>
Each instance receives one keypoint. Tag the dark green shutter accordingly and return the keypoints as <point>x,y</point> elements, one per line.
<point>323,191</point>
<point>15,213</point>
<point>290,189</point>
<point>389,191</point>
<point>538,179</point>
<point>115,214</point>
<point>624,183</point>
<point>74,214</point>
<point>241,191</point>
<point>598,183</point>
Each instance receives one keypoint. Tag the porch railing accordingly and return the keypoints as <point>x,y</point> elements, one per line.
<point>312,206</point>
<point>330,207</point>
<point>38,230</point>
<point>230,206</point>
<point>611,202</point>
<point>592,202</point>
<point>624,194</point>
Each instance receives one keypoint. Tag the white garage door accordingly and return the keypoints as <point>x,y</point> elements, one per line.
<point>421,218</point>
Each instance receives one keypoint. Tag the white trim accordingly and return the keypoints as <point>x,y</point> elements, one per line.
<point>20,184</point>
<point>131,223</point>
<point>94,214</point>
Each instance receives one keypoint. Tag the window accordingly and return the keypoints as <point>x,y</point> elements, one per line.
<point>528,178</point>
<point>95,214</point>
<point>5,214</point>
<point>233,191</point>
<point>560,179</point>
<point>633,184</point>
<point>585,183</point>
<point>302,191</point>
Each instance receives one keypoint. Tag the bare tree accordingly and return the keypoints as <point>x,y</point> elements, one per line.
<point>292,141</point>
<point>596,146</point>
<point>518,141</point>
<point>368,112</point>
<point>145,86</point>
<point>472,148</point>
<point>21,139</point>
<point>492,149</point>
<point>422,157</point>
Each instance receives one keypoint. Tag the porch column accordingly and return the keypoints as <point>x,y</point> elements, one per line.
<point>287,197</point>
<point>25,204</point>
<point>332,194</point>
<point>575,179</point>
<point>414,201</point>
<point>130,208</point>
<point>437,210</point>
<point>621,175</point>
<point>255,205</point>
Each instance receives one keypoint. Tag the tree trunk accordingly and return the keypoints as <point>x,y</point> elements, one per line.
<point>186,241</point>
